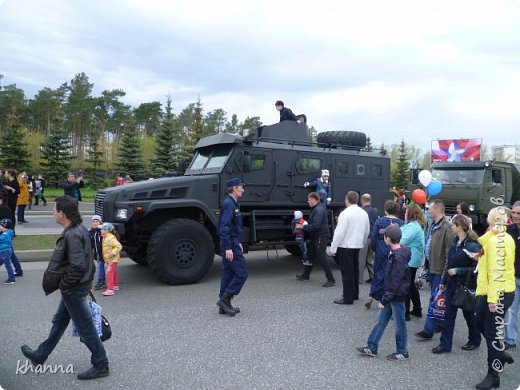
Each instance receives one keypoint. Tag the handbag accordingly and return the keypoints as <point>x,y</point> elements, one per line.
<point>437,307</point>
<point>464,297</point>
<point>100,322</point>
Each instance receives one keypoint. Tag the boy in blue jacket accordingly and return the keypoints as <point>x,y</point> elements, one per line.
<point>396,287</point>
<point>6,252</point>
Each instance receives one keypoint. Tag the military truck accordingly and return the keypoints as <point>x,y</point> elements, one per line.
<point>481,184</point>
<point>171,223</point>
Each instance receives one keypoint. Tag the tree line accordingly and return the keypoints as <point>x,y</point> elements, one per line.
<point>68,129</point>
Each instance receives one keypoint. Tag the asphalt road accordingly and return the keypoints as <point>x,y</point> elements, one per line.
<point>41,221</point>
<point>289,335</point>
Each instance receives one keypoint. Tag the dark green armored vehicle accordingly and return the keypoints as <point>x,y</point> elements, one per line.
<point>171,223</point>
<point>481,184</point>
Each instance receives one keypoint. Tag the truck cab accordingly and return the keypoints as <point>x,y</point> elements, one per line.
<point>481,184</point>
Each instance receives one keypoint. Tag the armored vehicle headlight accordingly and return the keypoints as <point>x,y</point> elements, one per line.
<point>121,213</point>
<point>471,207</point>
<point>246,133</point>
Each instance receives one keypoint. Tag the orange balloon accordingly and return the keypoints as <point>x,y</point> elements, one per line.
<point>419,196</point>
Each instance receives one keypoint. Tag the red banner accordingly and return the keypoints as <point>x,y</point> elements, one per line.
<point>456,150</point>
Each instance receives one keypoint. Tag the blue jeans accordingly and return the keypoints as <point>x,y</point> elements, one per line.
<point>73,305</point>
<point>101,271</point>
<point>512,316</point>
<point>431,323</point>
<point>5,258</point>
<point>395,309</point>
<point>450,315</point>
<point>303,247</point>
<point>16,263</point>
<point>20,213</point>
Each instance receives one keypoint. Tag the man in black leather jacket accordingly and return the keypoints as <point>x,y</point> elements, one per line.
<point>318,229</point>
<point>71,270</point>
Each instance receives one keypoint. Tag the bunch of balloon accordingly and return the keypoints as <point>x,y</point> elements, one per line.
<point>433,187</point>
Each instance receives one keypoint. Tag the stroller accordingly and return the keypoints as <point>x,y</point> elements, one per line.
<point>422,278</point>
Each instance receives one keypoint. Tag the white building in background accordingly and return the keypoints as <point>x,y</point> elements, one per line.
<point>508,153</point>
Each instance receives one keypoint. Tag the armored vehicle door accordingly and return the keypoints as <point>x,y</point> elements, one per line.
<point>306,167</point>
<point>255,167</point>
<point>495,185</point>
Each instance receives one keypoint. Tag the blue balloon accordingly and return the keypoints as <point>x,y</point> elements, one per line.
<point>434,188</point>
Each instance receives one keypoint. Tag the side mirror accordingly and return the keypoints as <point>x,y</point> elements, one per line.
<point>181,165</point>
<point>246,162</point>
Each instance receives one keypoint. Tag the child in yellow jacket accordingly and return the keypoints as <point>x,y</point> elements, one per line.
<point>111,250</point>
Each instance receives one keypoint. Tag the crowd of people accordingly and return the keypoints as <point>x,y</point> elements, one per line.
<point>393,250</point>
<point>454,257</point>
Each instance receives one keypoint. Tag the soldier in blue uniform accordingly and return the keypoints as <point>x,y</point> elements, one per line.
<point>234,268</point>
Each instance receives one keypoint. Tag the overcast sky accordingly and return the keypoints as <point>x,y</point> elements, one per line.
<point>394,69</point>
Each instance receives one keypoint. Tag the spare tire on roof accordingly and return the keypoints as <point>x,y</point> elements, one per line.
<point>343,138</point>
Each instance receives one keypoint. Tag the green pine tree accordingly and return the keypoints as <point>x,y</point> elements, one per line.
<point>13,148</point>
<point>130,154</point>
<point>369,146</point>
<point>95,160</point>
<point>166,144</point>
<point>401,168</point>
<point>56,153</point>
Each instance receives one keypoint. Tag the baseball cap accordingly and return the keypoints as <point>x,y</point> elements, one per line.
<point>97,218</point>
<point>298,214</point>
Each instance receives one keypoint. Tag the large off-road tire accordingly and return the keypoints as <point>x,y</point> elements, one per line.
<point>293,249</point>
<point>180,251</point>
<point>343,138</point>
<point>138,255</point>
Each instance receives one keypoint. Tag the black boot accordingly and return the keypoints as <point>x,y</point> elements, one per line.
<point>225,304</point>
<point>236,309</point>
<point>491,381</point>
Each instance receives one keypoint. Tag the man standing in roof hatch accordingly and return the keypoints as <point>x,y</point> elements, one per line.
<point>234,268</point>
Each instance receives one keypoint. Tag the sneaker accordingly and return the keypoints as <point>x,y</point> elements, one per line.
<point>307,263</point>
<point>302,278</point>
<point>9,281</point>
<point>99,286</point>
<point>108,293</point>
<point>329,283</point>
<point>367,351</point>
<point>423,335</point>
<point>18,274</point>
<point>116,288</point>
<point>398,356</point>
<point>509,346</point>
<point>417,313</point>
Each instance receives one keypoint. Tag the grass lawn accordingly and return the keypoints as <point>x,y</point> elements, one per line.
<point>87,194</point>
<point>23,243</point>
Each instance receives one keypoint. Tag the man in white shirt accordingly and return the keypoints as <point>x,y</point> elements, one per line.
<point>349,237</point>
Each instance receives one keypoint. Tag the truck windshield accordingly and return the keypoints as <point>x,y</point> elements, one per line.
<point>210,159</point>
<point>458,176</point>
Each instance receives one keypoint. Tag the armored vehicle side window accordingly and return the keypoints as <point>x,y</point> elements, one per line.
<point>307,164</point>
<point>377,171</point>
<point>360,169</point>
<point>342,168</point>
<point>257,161</point>
<point>496,176</point>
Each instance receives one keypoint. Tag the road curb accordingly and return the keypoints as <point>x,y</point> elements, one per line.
<point>40,255</point>
<point>34,255</point>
